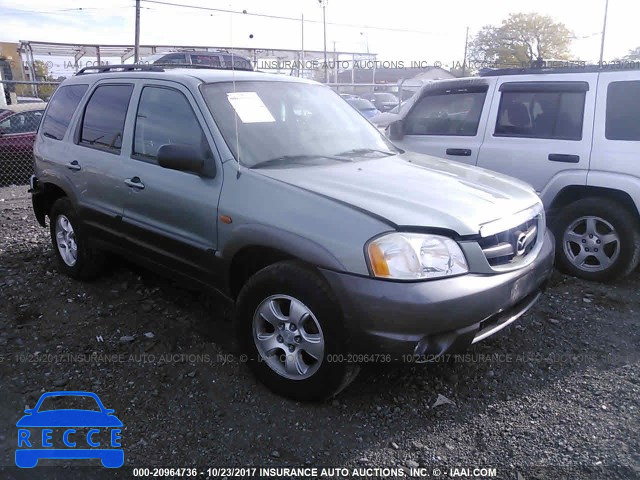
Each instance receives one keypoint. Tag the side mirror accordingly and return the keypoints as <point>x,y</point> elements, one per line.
<point>181,157</point>
<point>396,130</point>
<point>29,410</point>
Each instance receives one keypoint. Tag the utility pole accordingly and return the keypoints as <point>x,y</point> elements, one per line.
<point>302,46</point>
<point>604,29</point>
<point>464,60</point>
<point>323,4</point>
<point>136,48</point>
<point>335,63</point>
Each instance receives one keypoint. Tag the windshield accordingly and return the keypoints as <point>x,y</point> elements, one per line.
<point>289,121</point>
<point>361,104</point>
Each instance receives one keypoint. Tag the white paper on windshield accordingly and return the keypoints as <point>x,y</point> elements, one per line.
<point>250,107</point>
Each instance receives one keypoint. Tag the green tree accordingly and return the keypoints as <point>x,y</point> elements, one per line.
<point>42,75</point>
<point>42,71</point>
<point>633,54</point>
<point>520,40</point>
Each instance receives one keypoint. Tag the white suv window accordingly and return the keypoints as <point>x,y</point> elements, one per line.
<point>540,114</point>
<point>447,112</point>
<point>623,111</point>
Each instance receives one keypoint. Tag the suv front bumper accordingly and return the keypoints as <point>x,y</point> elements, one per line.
<point>433,317</point>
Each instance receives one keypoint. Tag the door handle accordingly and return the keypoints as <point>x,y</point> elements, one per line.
<point>134,182</point>
<point>461,152</point>
<point>74,165</point>
<point>561,157</point>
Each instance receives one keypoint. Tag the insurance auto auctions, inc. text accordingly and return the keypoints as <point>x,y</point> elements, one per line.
<point>376,472</point>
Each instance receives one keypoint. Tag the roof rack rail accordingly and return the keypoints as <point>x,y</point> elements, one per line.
<point>120,68</point>
<point>156,67</point>
<point>197,67</point>
<point>561,69</point>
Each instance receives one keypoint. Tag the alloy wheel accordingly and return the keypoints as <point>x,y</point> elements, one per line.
<point>591,244</point>
<point>288,337</point>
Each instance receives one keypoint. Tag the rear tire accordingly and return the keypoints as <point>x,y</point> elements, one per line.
<point>597,239</point>
<point>289,324</point>
<point>76,255</point>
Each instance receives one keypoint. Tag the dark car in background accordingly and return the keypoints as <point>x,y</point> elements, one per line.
<point>18,127</point>
<point>365,107</point>
<point>217,59</point>
<point>384,101</point>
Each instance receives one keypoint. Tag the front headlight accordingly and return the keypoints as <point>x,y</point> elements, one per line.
<point>415,256</point>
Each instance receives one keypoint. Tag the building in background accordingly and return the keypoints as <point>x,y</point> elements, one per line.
<point>10,69</point>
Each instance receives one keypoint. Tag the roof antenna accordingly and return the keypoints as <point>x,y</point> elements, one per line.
<point>233,81</point>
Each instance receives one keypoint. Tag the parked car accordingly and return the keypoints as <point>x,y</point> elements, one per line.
<point>365,107</point>
<point>209,59</point>
<point>333,246</point>
<point>384,101</point>
<point>574,135</point>
<point>383,119</point>
<point>18,125</point>
<point>29,100</point>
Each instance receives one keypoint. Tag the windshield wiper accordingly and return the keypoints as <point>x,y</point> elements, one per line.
<point>362,151</point>
<point>284,159</point>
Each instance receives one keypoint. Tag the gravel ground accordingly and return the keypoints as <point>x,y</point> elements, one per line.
<point>560,389</point>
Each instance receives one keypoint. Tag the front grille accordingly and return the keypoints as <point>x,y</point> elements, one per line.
<point>512,245</point>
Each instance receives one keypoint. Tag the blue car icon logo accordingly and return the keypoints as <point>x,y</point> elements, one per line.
<point>69,433</point>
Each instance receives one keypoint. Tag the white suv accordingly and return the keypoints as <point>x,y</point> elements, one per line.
<point>573,134</point>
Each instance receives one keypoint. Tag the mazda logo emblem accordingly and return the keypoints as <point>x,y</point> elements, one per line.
<point>521,244</point>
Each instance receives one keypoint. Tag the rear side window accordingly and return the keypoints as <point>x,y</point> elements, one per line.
<point>537,114</point>
<point>165,117</point>
<point>179,58</point>
<point>623,111</point>
<point>236,61</point>
<point>210,60</point>
<point>455,113</point>
<point>103,122</point>
<point>61,108</point>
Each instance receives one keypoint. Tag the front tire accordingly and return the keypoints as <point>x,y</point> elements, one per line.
<point>597,239</point>
<point>76,256</point>
<point>290,326</point>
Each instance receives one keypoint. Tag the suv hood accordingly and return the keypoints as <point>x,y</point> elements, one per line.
<point>412,189</point>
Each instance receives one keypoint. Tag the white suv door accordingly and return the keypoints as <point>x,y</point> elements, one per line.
<point>540,129</point>
<point>616,140</point>
<point>448,120</point>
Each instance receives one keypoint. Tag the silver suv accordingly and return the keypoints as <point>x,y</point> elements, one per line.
<point>335,247</point>
<point>573,134</point>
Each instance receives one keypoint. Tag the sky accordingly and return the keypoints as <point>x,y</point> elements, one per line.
<point>436,30</point>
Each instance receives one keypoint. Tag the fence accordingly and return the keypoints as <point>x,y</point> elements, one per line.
<point>21,107</point>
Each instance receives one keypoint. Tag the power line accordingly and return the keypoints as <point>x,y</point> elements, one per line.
<point>295,19</point>
<point>64,11</point>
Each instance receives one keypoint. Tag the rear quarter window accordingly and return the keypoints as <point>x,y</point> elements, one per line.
<point>623,111</point>
<point>61,109</point>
